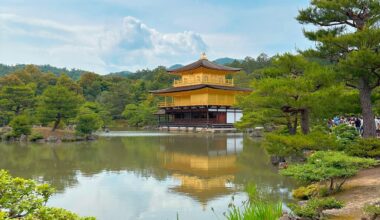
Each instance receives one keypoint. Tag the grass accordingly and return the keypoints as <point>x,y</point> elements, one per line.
<point>257,207</point>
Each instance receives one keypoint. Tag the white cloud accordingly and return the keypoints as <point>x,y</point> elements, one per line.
<point>129,46</point>
<point>136,44</point>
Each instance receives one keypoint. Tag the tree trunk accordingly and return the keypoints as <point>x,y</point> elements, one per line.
<point>305,121</point>
<point>293,129</point>
<point>369,127</point>
<point>331,188</point>
<point>56,123</point>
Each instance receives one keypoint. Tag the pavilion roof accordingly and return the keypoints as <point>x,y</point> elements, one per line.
<point>199,86</point>
<point>206,64</point>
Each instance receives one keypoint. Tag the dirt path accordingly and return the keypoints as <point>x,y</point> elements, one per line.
<point>361,189</point>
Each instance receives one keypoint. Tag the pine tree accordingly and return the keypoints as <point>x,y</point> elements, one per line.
<point>348,34</point>
<point>57,103</point>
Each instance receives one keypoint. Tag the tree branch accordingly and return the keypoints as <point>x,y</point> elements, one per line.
<point>351,85</point>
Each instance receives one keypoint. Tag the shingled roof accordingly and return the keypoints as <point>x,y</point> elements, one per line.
<point>206,64</point>
<point>199,86</point>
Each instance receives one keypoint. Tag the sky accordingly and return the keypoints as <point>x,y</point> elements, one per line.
<point>115,35</point>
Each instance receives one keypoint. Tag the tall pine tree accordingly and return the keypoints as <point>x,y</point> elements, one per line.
<point>348,34</point>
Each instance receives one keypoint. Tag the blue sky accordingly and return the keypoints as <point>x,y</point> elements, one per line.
<point>113,35</point>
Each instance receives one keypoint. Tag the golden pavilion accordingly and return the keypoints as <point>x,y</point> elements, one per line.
<point>203,96</point>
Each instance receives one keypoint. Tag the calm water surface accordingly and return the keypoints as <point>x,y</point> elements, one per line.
<point>148,175</point>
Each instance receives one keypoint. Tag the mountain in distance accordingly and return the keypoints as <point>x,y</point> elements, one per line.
<point>175,66</point>
<point>220,61</point>
<point>224,61</point>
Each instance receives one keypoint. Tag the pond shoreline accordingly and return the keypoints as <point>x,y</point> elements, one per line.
<point>359,190</point>
<point>46,135</point>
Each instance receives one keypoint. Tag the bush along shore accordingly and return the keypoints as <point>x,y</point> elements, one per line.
<point>45,135</point>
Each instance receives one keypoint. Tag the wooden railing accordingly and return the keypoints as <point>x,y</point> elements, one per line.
<point>173,104</point>
<point>166,104</point>
<point>223,82</point>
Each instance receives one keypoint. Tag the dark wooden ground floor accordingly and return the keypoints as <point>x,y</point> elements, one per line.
<point>200,116</point>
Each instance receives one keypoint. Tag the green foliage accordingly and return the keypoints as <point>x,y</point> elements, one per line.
<point>20,196</point>
<point>141,114</point>
<point>14,100</point>
<point>98,109</point>
<point>87,122</point>
<point>73,73</point>
<point>106,95</point>
<point>307,192</point>
<point>286,145</point>
<point>58,103</point>
<point>346,135</point>
<point>369,147</point>
<point>35,136</point>
<point>328,165</point>
<point>256,208</point>
<point>347,33</point>
<point>290,91</point>
<point>372,209</point>
<point>21,126</point>
<point>51,213</point>
<point>314,207</point>
<point>25,199</point>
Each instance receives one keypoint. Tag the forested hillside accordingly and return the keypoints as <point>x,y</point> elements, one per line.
<point>27,90</point>
<point>72,73</point>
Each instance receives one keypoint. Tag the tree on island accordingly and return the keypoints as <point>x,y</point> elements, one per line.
<point>87,121</point>
<point>348,34</point>
<point>334,167</point>
<point>58,103</point>
<point>21,125</point>
<point>16,99</point>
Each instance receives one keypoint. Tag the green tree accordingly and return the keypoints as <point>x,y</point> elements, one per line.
<point>141,114</point>
<point>290,91</point>
<point>116,98</point>
<point>348,34</point>
<point>100,110</point>
<point>58,103</point>
<point>21,125</point>
<point>87,122</point>
<point>65,81</point>
<point>16,99</point>
<point>331,166</point>
<point>92,85</point>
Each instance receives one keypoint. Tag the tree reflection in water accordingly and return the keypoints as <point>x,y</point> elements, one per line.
<point>206,166</point>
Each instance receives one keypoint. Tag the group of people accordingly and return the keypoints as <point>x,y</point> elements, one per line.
<point>356,122</point>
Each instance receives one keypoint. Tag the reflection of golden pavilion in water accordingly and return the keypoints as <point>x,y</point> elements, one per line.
<point>204,166</point>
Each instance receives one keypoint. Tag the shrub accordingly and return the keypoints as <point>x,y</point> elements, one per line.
<point>21,126</point>
<point>373,210</point>
<point>331,166</point>
<point>366,147</point>
<point>306,192</point>
<point>8,136</point>
<point>56,214</point>
<point>314,207</point>
<point>25,199</point>
<point>87,122</point>
<point>345,135</point>
<point>285,145</point>
<point>35,136</point>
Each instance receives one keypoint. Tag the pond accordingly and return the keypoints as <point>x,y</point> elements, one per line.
<point>148,175</point>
